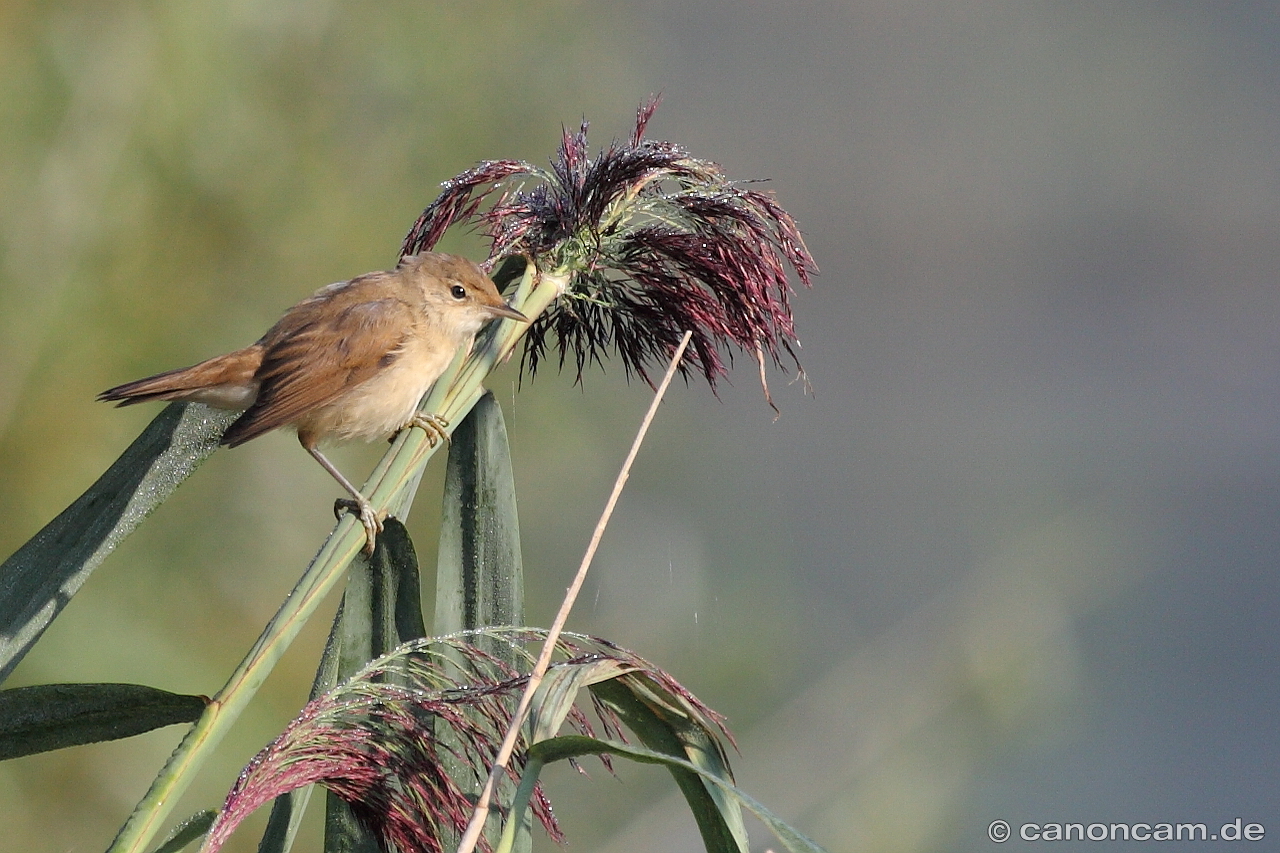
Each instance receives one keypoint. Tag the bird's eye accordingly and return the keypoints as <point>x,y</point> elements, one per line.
<point>458,292</point>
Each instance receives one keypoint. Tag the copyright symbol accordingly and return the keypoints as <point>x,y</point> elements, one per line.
<point>998,831</point>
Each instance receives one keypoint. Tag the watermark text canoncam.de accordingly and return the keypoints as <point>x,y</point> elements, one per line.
<point>1001,831</point>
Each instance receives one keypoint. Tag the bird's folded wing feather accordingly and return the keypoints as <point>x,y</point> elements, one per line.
<point>316,353</point>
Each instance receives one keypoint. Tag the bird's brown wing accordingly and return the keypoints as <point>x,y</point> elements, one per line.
<point>320,349</point>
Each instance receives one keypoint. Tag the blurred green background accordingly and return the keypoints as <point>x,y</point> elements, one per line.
<point>1015,558</point>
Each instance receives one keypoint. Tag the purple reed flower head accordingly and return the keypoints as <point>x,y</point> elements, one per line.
<point>407,740</point>
<point>382,751</point>
<point>656,241</point>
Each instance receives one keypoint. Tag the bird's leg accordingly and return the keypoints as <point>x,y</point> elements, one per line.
<point>359,506</point>
<point>433,425</point>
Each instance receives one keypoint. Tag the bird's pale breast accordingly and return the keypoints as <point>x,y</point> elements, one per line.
<point>385,402</point>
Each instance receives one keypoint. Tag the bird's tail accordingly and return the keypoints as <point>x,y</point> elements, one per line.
<point>226,381</point>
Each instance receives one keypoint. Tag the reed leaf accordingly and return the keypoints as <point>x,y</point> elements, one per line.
<point>40,578</point>
<point>53,716</point>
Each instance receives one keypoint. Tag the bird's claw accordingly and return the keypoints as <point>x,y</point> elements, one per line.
<point>369,517</point>
<point>433,425</point>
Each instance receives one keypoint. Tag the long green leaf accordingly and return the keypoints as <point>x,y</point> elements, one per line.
<point>559,689</point>
<point>42,576</point>
<point>382,605</point>
<point>53,716</point>
<point>576,746</point>
<point>479,571</point>
<point>547,712</point>
<point>662,716</point>
<point>479,577</point>
<point>674,734</point>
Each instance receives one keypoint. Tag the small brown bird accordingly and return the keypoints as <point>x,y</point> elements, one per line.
<point>351,361</point>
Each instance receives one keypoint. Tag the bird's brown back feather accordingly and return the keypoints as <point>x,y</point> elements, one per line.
<point>311,357</point>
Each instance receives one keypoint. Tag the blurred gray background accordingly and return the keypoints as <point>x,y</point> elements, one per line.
<point>1014,558</point>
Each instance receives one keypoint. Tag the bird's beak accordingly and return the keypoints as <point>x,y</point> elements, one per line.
<point>507,311</point>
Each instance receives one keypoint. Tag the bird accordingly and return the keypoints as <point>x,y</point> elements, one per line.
<point>351,361</point>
